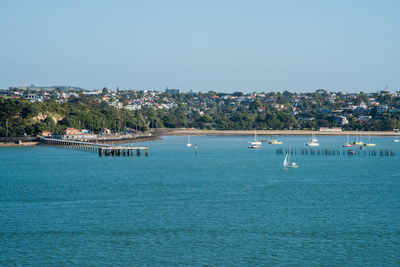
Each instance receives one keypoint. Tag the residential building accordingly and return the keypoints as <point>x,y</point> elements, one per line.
<point>72,131</point>
<point>381,109</point>
<point>45,134</point>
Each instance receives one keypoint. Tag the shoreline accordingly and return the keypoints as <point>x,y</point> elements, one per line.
<point>158,133</point>
<point>9,144</point>
<point>135,140</point>
<point>195,132</point>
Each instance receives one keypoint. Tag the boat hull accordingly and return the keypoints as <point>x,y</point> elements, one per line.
<point>358,143</point>
<point>275,142</point>
<point>312,144</point>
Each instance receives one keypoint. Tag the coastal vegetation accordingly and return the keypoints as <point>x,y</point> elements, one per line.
<point>23,112</point>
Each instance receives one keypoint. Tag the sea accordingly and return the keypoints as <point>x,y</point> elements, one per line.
<point>226,205</point>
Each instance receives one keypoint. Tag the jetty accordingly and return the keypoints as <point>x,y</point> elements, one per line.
<point>102,149</point>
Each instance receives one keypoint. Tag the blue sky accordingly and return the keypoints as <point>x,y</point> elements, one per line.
<point>202,45</point>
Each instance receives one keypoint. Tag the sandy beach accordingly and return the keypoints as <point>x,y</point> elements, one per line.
<point>21,144</point>
<point>177,132</point>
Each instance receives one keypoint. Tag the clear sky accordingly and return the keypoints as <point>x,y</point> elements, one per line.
<point>276,45</point>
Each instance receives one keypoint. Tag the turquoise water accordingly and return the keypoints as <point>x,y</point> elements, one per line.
<point>229,205</point>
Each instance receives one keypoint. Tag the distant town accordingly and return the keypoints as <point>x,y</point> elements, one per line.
<point>31,110</point>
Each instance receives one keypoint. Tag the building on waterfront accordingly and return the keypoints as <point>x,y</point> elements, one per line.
<point>72,131</point>
<point>105,131</point>
<point>327,129</point>
<point>45,134</point>
<point>76,137</point>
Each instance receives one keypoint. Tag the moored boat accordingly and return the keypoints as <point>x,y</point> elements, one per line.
<point>396,139</point>
<point>358,141</point>
<point>255,143</point>
<point>313,141</point>
<point>275,141</point>
<point>188,143</point>
<point>347,143</point>
<point>369,142</point>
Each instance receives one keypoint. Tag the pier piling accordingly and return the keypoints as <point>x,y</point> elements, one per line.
<point>338,152</point>
<point>101,149</point>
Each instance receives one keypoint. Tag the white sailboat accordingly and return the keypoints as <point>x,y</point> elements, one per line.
<point>396,139</point>
<point>188,143</point>
<point>287,163</point>
<point>313,141</point>
<point>255,143</point>
<point>347,143</point>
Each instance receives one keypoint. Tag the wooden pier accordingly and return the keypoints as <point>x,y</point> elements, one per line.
<point>337,152</point>
<point>101,149</point>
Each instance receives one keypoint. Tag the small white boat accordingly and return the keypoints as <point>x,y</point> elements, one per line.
<point>188,143</point>
<point>347,143</point>
<point>396,140</point>
<point>255,143</point>
<point>287,163</point>
<point>313,141</point>
<point>254,146</point>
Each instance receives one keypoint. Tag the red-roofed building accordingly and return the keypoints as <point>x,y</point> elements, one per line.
<point>72,131</point>
<point>45,134</point>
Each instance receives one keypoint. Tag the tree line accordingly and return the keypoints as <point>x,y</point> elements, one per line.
<point>20,117</point>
